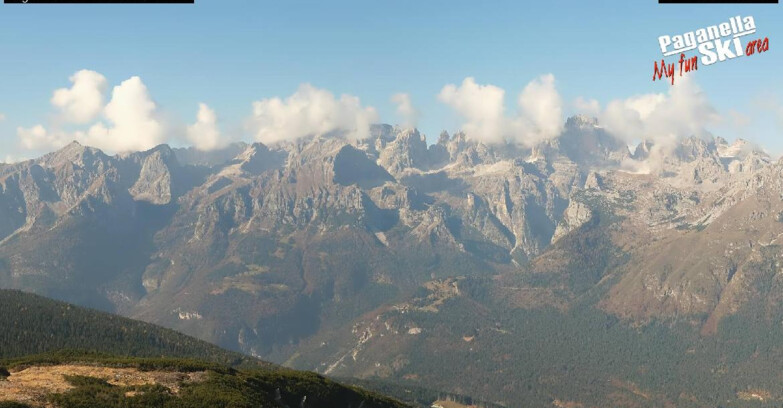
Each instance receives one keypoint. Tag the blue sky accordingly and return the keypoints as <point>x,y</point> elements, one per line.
<point>229,53</point>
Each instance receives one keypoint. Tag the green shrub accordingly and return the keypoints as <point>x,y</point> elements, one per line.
<point>13,404</point>
<point>103,395</point>
<point>85,381</point>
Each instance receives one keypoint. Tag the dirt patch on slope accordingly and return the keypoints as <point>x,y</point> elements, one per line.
<point>33,384</point>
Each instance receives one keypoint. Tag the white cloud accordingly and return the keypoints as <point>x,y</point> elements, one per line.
<point>11,159</point>
<point>661,118</point>
<point>405,110</point>
<point>2,117</point>
<point>310,111</point>
<point>204,134</point>
<point>83,101</point>
<point>131,113</point>
<point>38,138</point>
<point>541,111</point>
<point>628,119</point>
<point>589,107</point>
<point>480,105</point>
<point>134,117</point>
<point>539,114</point>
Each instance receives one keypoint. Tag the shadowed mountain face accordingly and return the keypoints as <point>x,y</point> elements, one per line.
<point>370,258</point>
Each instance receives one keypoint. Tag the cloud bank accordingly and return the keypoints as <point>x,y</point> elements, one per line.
<point>540,111</point>
<point>481,106</point>
<point>310,112</point>
<point>83,101</point>
<point>130,119</point>
<point>660,118</point>
<point>133,118</point>
<point>204,134</point>
<point>38,138</point>
<point>539,114</point>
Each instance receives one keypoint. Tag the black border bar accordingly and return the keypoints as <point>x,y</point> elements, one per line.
<point>99,1</point>
<point>717,1</point>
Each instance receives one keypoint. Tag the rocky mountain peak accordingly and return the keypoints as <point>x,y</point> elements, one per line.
<point>408,150</point>
<point>458,142</point>
<point>382,131</point>
<point>257,158</point>
<point>443,138</point>
<point>154,183</point>
<point>740,149</point>
<point>581,122</point>
<point>692,148</point>
<point>72,154</point>
<point>587,144</point>
<point>642,150</point>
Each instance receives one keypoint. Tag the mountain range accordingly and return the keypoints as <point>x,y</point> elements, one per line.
<point>576,271</point>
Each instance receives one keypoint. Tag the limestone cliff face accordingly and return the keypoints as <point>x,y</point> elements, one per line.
<point>154,182</point>
<point>575,215</point>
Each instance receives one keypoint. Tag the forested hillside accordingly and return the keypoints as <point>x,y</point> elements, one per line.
<point>33,324</point>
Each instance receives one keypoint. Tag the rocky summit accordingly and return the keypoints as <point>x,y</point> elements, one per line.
<point>353,257</point>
